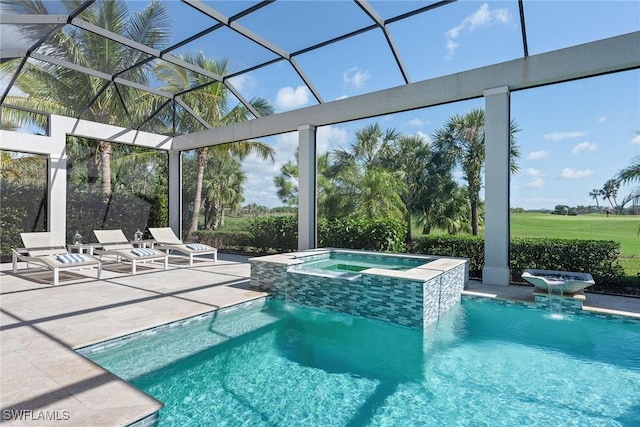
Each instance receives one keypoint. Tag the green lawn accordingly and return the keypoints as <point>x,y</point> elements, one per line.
<point>623,229</point>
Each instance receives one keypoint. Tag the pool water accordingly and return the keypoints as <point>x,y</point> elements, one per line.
<point>350,262</point>
<point>483,364</point>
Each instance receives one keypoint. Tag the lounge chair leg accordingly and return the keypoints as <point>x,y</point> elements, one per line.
<point>133,267</point>
<point>166,262</point>
<point>215,256</point>
<point>15,263</point>
<point>190,259</point>
<point>99,270</point>
<point>56,276</point>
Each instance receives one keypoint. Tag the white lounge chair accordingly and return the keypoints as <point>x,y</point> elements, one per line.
<point>167,241</point>
<point>114,243</point>
<point>46,250</point>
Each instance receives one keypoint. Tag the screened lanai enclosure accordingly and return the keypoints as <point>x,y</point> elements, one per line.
<point>109,108</point>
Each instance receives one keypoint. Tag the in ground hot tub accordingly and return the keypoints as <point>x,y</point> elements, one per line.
<point>411,290</point>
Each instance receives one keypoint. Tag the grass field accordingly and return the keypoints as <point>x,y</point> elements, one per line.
<point>623,229</point>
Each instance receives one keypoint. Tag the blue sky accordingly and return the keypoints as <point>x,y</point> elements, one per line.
<point>574,136</point>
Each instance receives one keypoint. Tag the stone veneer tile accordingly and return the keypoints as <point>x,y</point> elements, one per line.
<point>413,298</point>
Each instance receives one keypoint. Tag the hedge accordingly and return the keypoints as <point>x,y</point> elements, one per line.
<point>378,234</point>
<point>597,257</point>
<point>280,234</point>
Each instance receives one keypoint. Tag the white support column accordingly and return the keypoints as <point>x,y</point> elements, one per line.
<point>57,197</point>
<point>307,212</point>
<point>175,192</point>
<point>496,230</point>
<point>57,183</point>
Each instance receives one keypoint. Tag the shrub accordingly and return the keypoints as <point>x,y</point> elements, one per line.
<point>379,234</point>
<point>274,232</point>
<point>233,241</point>
<point>471,247</point>
<point>596,257</point>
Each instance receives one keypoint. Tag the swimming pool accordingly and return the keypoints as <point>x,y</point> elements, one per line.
<point>484,364</point>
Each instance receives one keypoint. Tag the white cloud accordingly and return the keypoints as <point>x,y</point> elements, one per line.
<point>330,137</point>
<point>537,155</point>
<point>602,119</point>
<point>536,183</point>
<point>570,173</point>
<point>481,18</point>
<point>355,77</point>
<point>559,136</point>
<point>425,137</point>
<point>416,122</point>
<point>635,140</point>
<point>242,82</point>
<point>533,172</point>
<point>289,98</point>
<point>583,146</point>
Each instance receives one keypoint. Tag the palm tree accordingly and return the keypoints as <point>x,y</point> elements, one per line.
<point>631,173</point>
<point>223,187</point>
<point>362,185</point>
<point>462,142</point>
<point>23,168</point>
<point>211,104</point>
<point>372,145</point>
<point>610,191</point>
<point>410,157</point>
<point>594,194</point>
<point>56,89</point>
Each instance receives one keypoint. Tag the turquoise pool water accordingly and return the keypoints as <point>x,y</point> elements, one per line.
<point>355,262</point>
<point>485,364</point>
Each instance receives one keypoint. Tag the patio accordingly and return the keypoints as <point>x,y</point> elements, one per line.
<point>43,324</point>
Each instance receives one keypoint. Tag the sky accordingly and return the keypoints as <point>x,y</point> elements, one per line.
<point>573,136</point>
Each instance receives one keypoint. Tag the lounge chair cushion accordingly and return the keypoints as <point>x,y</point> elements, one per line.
<point>70,258</point>
<point>197,247</point>
<point>143,252</point>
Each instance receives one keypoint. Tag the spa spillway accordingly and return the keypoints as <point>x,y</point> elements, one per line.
<point>410,290</point>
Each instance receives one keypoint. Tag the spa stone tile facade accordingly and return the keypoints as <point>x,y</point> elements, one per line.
<point>414,298</point>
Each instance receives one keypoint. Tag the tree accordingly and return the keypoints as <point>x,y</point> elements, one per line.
<point>410,157</point>
<point>631,173</point>
<point>211,103</point>
<point>287,183</point>
<point>25,168</point>
<point>461,142</point>
<point>594,194</point>
<point>610,191</point>
<point>361,184</point>
<point>56,89</point>
<point>223,188</point>
<point>371,146</point>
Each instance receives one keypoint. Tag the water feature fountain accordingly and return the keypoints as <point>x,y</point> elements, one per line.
<point>558,290</point>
